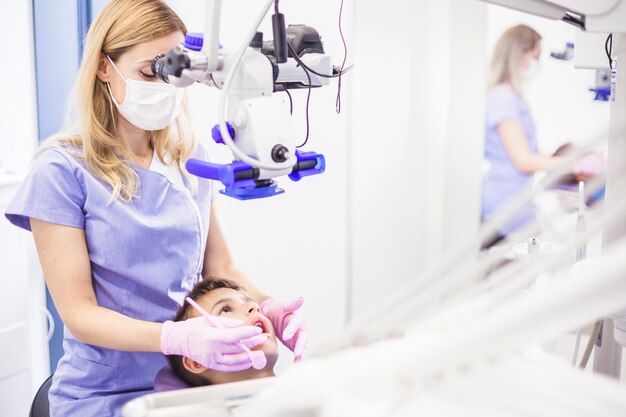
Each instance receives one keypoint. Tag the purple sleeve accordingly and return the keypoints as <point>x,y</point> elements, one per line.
<point>502,106</point>
<point>50,192</point>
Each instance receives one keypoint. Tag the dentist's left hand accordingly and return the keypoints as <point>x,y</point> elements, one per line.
<point>212,347</point>
<point>593,163</point>
<point>288,323</point>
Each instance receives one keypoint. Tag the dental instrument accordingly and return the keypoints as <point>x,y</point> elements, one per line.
<point>581,252</point>
<point>257,358</point>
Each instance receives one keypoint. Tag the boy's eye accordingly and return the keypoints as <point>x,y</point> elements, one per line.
<point>147,76</point>
<point>225,309</point>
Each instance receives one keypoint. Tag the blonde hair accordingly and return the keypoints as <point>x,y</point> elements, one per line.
<point>508,54</point>
<point>91,117</point>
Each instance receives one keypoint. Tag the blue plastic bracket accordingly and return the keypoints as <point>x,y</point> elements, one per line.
<point>320,165</point>
<point>217,135</point>
<point>602,94</point>
<point>239,177</point>
<point>243,193</point>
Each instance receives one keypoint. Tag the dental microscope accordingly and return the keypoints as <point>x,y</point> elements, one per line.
<point>254,120</point>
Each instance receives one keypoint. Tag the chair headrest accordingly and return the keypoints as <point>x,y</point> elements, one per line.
<point>166,380</point>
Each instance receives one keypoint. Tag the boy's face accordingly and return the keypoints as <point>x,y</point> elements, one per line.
<point>232,304</point>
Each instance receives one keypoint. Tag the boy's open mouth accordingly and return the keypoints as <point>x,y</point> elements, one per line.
<point>259,323</point>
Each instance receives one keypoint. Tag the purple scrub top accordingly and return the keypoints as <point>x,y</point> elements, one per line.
<point>145,256</point>
<point>504,182</point>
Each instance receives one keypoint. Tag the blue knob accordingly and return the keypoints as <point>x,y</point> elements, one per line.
<point>193,41</point>
<point>217,135</point>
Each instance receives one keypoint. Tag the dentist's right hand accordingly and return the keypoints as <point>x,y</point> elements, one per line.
<point>212,347</point>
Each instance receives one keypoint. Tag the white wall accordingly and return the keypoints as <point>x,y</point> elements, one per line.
<point>417,134</point>
<point>465,139</point>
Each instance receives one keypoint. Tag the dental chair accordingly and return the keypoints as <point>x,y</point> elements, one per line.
<point>40,406</point>
<point>166,380</point>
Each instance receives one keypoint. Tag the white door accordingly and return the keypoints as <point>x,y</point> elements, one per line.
<point>23,347</point>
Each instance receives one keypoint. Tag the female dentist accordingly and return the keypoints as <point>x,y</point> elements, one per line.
<point>510,140</point>
<point>123,231</point>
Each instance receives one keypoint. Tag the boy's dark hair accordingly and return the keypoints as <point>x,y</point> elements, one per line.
<point>200,289</point>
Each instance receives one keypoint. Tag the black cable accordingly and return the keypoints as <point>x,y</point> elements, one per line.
<point>345,56</point>
<point>304,66</point>
<point>608,48</point>
<point>311,51</point>
<point>290,102</point>
<point>308,70</point>
<point>320,51</point>
<point>306,111</point>
<point>319,74</point>
<point>308,96</point>
<point>215,82</point>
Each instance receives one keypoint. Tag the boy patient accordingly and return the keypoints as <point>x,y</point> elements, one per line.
<point>224,298</point>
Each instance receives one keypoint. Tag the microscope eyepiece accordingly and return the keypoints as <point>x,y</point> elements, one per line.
<point>158,63</point>
<point>173,63</point>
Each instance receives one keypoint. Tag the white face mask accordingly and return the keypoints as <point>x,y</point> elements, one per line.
<point>148,105</point>
<point>534,68</point>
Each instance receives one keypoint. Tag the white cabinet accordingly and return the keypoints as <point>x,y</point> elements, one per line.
<point>23,345</point>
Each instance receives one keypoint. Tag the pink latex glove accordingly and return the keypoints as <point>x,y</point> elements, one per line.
<point>288,323</point>
<point>591,164</point>
<point>212,347</point>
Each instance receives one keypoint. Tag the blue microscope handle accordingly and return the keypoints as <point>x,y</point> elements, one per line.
<point>227,174</point>
<point>241,174</point>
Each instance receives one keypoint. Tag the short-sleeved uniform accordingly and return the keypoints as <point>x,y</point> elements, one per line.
<point>503,181</point>
<point>145,256</point>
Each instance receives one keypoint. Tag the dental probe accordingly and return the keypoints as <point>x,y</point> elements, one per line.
<point>258,361</point>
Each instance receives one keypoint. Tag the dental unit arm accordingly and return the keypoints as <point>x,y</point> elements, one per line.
<point>253,122</point>
<point>592,16</point>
